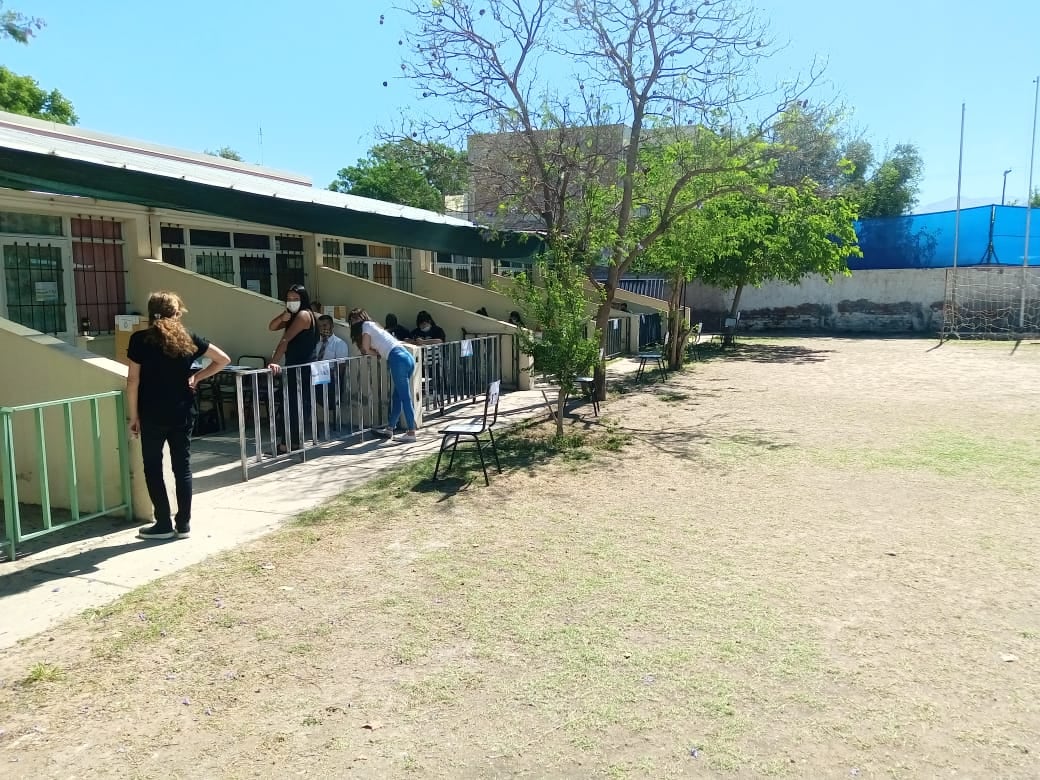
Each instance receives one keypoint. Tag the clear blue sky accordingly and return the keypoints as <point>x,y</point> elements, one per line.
<point>200,75</point>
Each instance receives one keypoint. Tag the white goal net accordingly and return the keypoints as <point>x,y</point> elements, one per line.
<point>994,302</point>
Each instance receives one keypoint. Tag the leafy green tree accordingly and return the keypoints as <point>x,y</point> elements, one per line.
<point>23,95</point>
<point>559,307</point>
<point>227,153</point>
<point>1035,200</point>
<point>812,142</point>
<point>17,26</point>
<point>691,239</point>
<point>891,190</point>
<point>789,234</point>
<point>633,64</point>
<point>406,172</point>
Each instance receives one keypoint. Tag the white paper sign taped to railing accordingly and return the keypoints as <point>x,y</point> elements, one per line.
<point>467,348</point>
<point>320,374</point>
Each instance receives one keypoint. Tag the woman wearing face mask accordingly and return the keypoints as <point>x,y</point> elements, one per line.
<point>427,331</point>
<point>295,348</point>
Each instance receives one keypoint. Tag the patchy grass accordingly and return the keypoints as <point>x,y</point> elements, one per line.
<point>43,672</point>
<point>1010,461</point>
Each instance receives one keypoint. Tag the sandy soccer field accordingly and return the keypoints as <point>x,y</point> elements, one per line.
<point>812,558</point>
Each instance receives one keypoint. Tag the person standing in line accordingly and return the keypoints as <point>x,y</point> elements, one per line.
<point>160,389</point>
<point>396,329</point>
<point>296,348</point>
<point>371,339</point>
<point>330,346</point>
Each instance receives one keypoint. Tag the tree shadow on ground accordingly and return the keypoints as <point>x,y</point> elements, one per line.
<point>520,450</point>
<point>766,353</point>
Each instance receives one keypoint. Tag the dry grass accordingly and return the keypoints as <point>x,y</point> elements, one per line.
<point>809,558</point>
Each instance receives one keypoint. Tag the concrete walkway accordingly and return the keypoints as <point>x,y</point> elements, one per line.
<point>93,564</point>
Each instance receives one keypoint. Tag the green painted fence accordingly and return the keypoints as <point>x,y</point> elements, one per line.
<point>9,463</point>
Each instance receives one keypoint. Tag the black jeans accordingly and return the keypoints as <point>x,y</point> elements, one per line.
<point>153,437</point>
<point>293,378</point>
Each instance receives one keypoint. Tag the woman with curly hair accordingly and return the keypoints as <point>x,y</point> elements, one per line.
<point>160,390</point>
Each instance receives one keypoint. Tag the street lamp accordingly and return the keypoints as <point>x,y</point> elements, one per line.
<point>1003,192</point>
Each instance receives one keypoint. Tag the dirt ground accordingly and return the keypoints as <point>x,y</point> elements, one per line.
<point>812,558</point>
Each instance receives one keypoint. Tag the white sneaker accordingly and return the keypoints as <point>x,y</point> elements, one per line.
<point>405,438</point>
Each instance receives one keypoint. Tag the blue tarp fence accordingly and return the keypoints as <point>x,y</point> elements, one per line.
<point>926,240</point>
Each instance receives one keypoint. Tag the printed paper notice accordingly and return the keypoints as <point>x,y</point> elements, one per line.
<point>253,285</point>
<point>320,374</point>
<point>467,348</point>
<point>46,292</point>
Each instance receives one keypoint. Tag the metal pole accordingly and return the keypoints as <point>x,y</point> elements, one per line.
<point>960,169</point>
<point>1029,206</point>
<point>952,276</point>
<point>1003,190</point>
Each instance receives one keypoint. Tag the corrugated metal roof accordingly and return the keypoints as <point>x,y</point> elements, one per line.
<point>35,136</point>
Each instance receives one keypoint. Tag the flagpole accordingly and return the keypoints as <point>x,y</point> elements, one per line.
<point>1029,206</point>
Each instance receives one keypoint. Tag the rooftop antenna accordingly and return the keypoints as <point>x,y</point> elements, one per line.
<point>260,136</point>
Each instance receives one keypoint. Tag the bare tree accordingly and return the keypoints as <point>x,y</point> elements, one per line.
<point>565,151</point>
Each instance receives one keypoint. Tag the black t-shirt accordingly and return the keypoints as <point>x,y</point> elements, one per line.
<point>400,332</point>
<point>436,332</point>
<point>163,396</point>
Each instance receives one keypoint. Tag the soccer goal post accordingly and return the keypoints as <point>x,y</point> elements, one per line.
<point>992,302</point>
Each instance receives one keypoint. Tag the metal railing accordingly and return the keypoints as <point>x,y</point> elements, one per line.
<point>456,372</point>
<point>278,418</point>
<point>10,471</point>
<point>617,336</point>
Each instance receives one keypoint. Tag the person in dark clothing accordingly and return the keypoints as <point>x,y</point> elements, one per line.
<point>427,331</point>
<point>295,349</point>
<point>396,329</point>
<point>160,389</point>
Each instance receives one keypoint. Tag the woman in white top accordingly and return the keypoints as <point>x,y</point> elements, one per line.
<point>371,339</point>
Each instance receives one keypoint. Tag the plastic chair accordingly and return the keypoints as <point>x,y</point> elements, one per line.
<point>473,430</point>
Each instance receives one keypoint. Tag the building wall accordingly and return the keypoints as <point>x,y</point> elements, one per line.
<point>874,301</point>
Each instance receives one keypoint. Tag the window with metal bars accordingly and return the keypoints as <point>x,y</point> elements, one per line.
<point>34,284</point>
<point>98,272</point>
<point>216,265</point>
<point>289,262</point>
<point>330,254</point>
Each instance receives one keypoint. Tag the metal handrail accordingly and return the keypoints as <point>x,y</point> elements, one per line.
<point>9,465</point>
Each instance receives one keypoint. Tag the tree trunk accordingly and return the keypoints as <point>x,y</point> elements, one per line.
<point>602,318</point>
<point>676,335</point>
<point>561,403</point>
<point>727,336</point>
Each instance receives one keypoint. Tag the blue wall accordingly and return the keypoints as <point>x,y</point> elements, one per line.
<point>926,240</point>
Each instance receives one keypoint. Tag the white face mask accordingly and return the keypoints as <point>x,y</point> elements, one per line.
<point>292,306</point>
<point>425,328</point>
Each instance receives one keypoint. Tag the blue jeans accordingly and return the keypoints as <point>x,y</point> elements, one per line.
<point>402,366</point>
<point>153,437</point>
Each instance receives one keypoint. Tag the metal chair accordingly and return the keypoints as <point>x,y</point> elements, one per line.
<point>473,430</point>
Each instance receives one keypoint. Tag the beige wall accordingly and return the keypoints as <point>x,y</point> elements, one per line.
<point>891,301</point>
<point>52,370</point>
<point>232,318</point>
<point>468,296</point>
